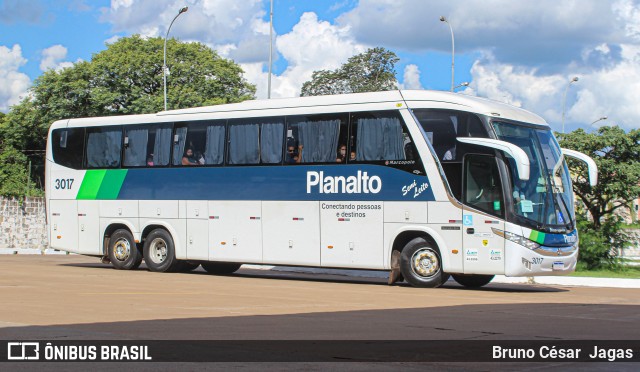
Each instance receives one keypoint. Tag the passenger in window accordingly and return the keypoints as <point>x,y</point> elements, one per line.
<point>342,154</point>
<point>352,156</point>
<point>150,160</point>
<point>188,158</point>
<point>293,156</point>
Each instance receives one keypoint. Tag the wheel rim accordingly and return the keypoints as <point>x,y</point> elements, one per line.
<point>158,251</point>
<point>425,262</point>
<point>122,249</point>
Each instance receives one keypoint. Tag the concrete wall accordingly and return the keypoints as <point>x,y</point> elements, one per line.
<point>22,223</point>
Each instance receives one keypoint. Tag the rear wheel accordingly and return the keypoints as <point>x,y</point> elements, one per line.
<point>123,252</point>
<point>421,265</point>
<point>159,251</point>
<point>220,267</point>
<point>473,281</point>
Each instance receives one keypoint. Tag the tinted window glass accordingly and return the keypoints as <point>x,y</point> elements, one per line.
<point>147,145</point>
<point>378,136</point>
<point>103,147</point>
<point>442,127</point>
<point>68,147</point>
<point>483,189</point>
<point>256,141</point>
<point>316,139</point>
<point>199,143</point>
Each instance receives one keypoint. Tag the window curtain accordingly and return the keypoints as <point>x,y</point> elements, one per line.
<point>178,147</point>
<point>162,146</point>
<point>214,150</point>
<point>271,142</point>
<point>135,153</point>
<point>319,140</point>
<point>103,149</point>
<point>244,144</point>
<point>380,139</point>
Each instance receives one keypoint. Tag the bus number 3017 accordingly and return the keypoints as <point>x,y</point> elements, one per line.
<point>63,183</point>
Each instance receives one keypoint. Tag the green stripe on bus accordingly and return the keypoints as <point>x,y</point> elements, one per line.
<point>537,236</point>
<point>91,184</point>
<point>111,184</point>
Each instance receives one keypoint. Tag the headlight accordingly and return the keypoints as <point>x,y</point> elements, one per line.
<point>521,240</point>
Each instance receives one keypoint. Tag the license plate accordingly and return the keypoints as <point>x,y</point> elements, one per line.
<point>558,265</point>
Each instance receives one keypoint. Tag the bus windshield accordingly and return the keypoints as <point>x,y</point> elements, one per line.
<point>546,199</point>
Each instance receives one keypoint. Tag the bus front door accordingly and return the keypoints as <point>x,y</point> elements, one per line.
<point>483,211</point>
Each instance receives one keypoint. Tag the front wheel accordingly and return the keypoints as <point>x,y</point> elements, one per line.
<point>473,281</point>
<point>421,264</point>
<point>159,251</point>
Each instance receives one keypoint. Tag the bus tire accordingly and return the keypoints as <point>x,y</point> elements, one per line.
<point>473,281</point>
<point>220,267</point>
<point>421,264</point>
<point>159,251</point>
<point>123,252</point>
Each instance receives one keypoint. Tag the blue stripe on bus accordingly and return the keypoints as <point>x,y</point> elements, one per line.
<point>339,182</point>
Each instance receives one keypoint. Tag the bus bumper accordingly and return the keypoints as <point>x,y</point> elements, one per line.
<point>544,261</point>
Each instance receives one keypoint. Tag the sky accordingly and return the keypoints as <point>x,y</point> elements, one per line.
<point>521,52</point>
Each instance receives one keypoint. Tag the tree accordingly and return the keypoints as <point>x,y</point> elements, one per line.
<point>126,78</point>
<point>617,155</point>
<point>371,71</point>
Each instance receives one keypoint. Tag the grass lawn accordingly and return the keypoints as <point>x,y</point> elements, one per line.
<point>628,272</point>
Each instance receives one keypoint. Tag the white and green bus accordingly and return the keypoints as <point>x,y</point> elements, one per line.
<point>422,184</point>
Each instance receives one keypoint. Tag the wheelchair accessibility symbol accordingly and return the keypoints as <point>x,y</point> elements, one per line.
<point>467,220</point>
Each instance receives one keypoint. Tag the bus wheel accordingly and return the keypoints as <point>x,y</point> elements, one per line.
<point>220,267</point>
<point>159,252</point>
<point>473,281</point>
<point>123,252</point>
<point>421,264</point>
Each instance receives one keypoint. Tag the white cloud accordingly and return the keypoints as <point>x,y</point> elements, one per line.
<point>52,58</point>
<point>13,84</point>
<point>311,45</point>
<point>411,78</point>
<point>213,22</point>
<point>544,32</point>
<point>610,91</point>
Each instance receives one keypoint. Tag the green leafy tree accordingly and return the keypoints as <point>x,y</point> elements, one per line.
<point>126,78</point>
<point>617,155</point>
<point>371,71</point>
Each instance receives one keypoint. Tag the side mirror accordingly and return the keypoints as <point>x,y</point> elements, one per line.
<point>518,154</point>
<point>591,165</point>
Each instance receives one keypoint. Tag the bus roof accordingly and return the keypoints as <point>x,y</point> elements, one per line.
<point>439,98</point>
<point>413,98</point>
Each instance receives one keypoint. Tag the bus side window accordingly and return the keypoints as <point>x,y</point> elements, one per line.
<point>147,145</point>
<point>256,141</point>
<point>214,142</point>
<point>378,136</point>
<point>316,139</point>
<point>104,145</point>
<point>68,147</point>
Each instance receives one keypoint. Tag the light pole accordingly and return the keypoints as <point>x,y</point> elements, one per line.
<point>602,118</point>
<point>465,84</point>
<point>164,66</point>
<point>453,50</point>
<point>564,98</point>
<point>270,50</point>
